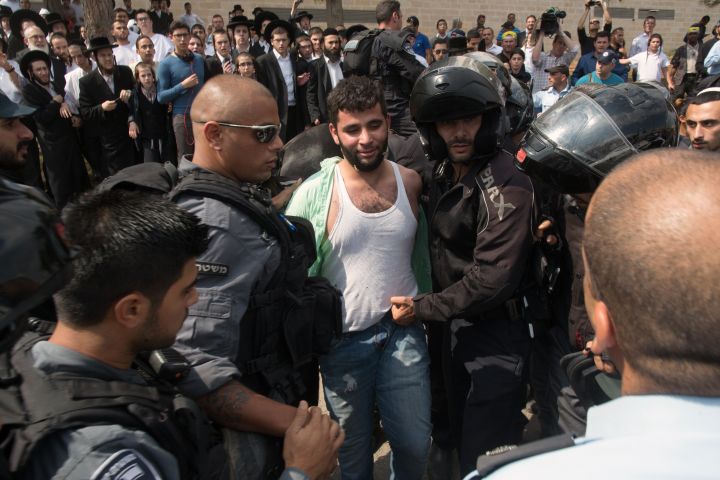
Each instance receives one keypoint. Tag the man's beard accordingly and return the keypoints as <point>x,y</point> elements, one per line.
<point>45,48</point>
<point>332,55</point>
<point>11,160</point>
<point>364,165</point>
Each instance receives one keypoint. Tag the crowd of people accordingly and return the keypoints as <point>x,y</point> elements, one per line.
<point>438,228</point>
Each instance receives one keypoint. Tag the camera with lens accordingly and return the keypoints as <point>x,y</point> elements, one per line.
<point>549,21</point>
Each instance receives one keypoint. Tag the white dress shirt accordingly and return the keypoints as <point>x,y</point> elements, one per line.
<point>288,76</point>
<point>72,87</point>
<point>334,70</point>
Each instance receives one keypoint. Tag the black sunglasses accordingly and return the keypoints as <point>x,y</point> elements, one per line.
<point>263,133</point>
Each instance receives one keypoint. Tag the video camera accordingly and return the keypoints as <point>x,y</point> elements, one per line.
<point>549,21</point>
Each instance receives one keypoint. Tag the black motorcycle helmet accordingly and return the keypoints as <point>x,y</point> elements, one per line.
<point>34,258</point>
<point>519,106</point>
<point>573,145</point>
<point>454,88</point>
<point>497,67</point>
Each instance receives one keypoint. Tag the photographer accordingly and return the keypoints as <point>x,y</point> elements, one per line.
<point>563,52</point>
<point>586,39</point>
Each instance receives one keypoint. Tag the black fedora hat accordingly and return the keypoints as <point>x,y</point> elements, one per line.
<point>240,20</point>
<point>302,14</point>
<point>5,11</point>
<point>30,57</point>
<point>20,16</point>
<point>100,43</point>
<point>261,17</point>
<point>284,24</point>
<point>53,18</point>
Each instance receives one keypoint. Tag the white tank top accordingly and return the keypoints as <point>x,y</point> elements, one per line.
<point>370,258</point>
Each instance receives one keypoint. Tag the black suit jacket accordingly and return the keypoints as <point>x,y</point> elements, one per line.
<point>257,51</point>
<point>318,90</point>
<point>161,24</point>
<point>94,91</point>
<point>270,75</point>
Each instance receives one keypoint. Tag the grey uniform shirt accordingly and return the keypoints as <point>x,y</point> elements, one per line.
<point>241,258</point>
<point>106,452</point>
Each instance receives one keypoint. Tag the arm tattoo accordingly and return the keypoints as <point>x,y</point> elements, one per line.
<point>225,402</point>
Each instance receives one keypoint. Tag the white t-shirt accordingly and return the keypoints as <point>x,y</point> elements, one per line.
<point>125,55</point>
<point>649,66</point>
<point>163,46</point>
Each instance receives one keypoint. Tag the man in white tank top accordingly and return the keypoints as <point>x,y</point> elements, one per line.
<point>365,211</point>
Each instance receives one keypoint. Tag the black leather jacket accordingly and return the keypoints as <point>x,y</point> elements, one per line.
<point>480,240</point>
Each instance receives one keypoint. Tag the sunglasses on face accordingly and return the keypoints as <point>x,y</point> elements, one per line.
<point>263,133</point>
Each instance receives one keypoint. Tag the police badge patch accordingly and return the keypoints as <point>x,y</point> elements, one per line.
<point>217,269</point>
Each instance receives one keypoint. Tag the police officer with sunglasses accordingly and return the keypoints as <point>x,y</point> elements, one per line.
<point>237,140</point>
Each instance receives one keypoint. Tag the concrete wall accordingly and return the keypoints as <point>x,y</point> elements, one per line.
<point>429,11</point>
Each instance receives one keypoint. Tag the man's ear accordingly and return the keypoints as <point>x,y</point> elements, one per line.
<point>334,133</point>
<point>604,327</point>
<point>132,310</point>
<point>213,135</point>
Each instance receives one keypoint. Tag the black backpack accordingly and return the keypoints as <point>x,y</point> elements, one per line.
<point>358,59</point>
<point>296,318</point>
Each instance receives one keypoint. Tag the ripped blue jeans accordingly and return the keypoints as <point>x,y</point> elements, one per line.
<point>388,365</point>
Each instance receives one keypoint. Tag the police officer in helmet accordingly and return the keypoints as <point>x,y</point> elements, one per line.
<point>480,239</point>
<point>570,149</point>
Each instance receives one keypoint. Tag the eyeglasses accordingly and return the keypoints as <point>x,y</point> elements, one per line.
<point>263,133</point>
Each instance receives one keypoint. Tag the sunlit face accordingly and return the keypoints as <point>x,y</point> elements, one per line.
<point>649,25</point>
<point>222,44</point>
<point>120,31</point>
<point>280,41</point>
<point>105,59</point>
<point>146,76</point>
<point>440,51</point>
<point>362,137</point>
<point>654,45</point>
<point>442,27</point>
<point>60,48</point>
<point>703,126</point>
<point>487,36</point>
<point>516,62</point>
<point>601,44</point>
<point>530,23</point>
<point>78,58</point>
<point>146,50</point>
<point>245,66</point>
<point>40,72</point>
<point>317,40</point>
<point>196,45</point>
<point>242,35</point>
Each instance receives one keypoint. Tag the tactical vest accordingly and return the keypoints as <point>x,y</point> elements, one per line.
<point>292,319</point>
<point>35,406</point>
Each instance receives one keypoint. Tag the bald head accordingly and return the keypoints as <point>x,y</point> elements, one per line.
<point>223,114</point>
<point>214,103</point>
<point>651,251</point>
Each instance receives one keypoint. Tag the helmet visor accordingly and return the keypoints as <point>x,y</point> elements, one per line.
<point>580,127</point>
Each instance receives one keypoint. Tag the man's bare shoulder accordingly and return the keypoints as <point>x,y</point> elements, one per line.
<point>411,180</point>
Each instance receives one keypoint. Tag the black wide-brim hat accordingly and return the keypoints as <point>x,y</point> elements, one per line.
<point>20,16</point>
<point>240,20</point>
<point>5,12</point>
<point>100,43</point>
<point>261,17</point>
<point>30,57</point>
<point>53,18</point>
<point>302,14</point>
<point>279,24</point>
